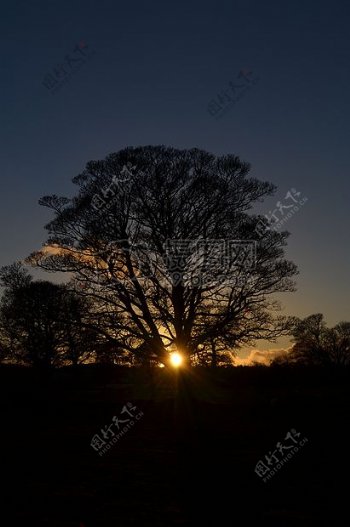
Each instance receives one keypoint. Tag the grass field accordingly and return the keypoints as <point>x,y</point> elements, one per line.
<point>188,461</point>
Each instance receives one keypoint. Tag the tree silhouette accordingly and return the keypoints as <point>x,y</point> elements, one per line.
<point>43,324</point>
<point>165,243</point>
<point>317,345</point>
<point>338,343</point>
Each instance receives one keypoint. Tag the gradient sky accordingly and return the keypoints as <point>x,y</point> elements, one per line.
<point>152,71</point>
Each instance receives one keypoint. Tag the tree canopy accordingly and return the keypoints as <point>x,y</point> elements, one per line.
<point>164,241</point>
<point>317,345</point>
<point>41,323</point>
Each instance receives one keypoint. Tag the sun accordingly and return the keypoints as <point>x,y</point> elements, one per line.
<point>176,359</point>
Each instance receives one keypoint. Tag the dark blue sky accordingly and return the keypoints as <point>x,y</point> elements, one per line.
<point>152,71</point>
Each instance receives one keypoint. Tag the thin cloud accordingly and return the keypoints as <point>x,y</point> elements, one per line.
<point>264,357</point>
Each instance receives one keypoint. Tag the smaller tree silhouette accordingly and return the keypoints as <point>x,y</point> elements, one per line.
<point>317,345</point>
<point>43,324</point>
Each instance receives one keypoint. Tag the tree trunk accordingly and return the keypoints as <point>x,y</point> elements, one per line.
<point>213,355</point>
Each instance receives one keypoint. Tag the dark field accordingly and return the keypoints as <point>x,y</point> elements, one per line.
<point>188,461</point>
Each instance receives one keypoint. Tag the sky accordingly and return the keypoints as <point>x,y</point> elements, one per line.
<point>82,79</point>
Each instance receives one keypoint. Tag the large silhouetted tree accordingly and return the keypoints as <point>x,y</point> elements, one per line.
<point>164,242</point>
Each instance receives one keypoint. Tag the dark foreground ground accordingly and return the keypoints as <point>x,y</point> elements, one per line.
<point>188,461</point>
